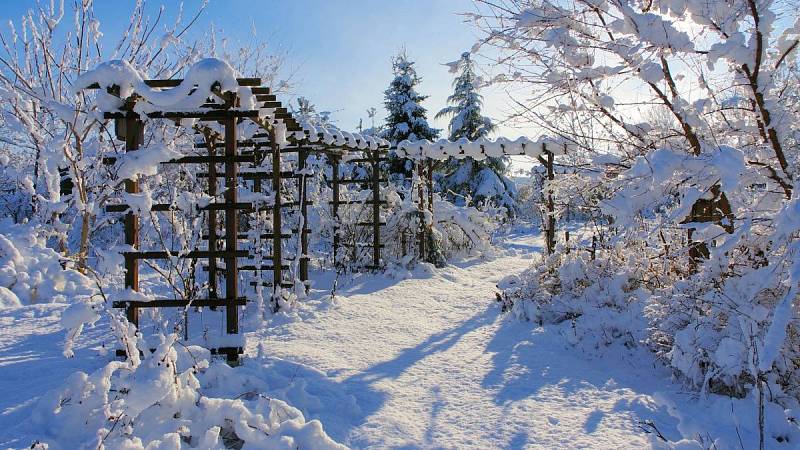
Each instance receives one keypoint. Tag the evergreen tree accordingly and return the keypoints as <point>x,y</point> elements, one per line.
<point>407,118</point>
<point>479,180</point>
<point>307,111</point>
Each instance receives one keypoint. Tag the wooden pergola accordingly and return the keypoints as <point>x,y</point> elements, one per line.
<point>251,160</point>
<point>244,137</point>
<point>423,152</point>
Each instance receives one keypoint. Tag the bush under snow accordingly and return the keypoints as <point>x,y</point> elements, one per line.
<point>30,272</point>
<point>159,402</point>
<point>602,298</point>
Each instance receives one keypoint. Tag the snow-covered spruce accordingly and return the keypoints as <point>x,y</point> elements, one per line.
<point>482,181</point>
<point>407,119</point>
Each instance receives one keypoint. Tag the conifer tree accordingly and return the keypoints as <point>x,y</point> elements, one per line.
<point>307,111</point>
<point>461,178</point>
<point>407,119</point>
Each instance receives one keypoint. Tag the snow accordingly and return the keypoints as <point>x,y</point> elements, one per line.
<point>31,272</point>
<point>413,360</point>
<point>313,133</point>
<point>190,94</point>
<point>482,147</point>
<point>428,362</point>
<point>144,161</point>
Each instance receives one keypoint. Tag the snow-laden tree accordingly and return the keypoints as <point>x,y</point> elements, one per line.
<point>307,111</point>
<point>467,178</point>
<point>41,55</point>
<point>45,122</point>
<point>466,120</point>
<point>407,119</point>
<point>688,108</point>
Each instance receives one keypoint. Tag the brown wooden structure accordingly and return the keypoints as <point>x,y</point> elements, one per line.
<point>236,161</point>
<point>716,209</point>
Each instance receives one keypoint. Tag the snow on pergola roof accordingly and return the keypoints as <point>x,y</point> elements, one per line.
<point>337,138</point>
<point>482,148</point>
<point>188,98</point>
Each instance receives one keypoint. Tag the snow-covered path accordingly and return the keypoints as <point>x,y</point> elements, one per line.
<point>428,362</point>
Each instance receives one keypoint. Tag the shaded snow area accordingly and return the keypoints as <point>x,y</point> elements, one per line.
<point>405,360</point>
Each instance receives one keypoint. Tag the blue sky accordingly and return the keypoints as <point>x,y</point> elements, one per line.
<point>338,50</point>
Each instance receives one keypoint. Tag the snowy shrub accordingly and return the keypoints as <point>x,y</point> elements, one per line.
<point>158,401</point>
<point>698,172</point>
<point>30,272</point>
<point>733,320</point>
<point>602,298</point>
<point>454,231</point>
<point>16,188</point>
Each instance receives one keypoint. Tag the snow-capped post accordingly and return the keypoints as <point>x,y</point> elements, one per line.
<point>376,210</point>
<point>213,291</point>
<point>717,210</point>
<point>304,230</point>
<point>231,220</point>
<point>334,159</point>
<point>429,181</point>
<point>423,228</point>
<point>550,230</point>
<point>133,133</point>
<point>277,226</point>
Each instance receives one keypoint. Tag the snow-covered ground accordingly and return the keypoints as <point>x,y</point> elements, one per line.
<point>425,361</point>
<point>431,363</point>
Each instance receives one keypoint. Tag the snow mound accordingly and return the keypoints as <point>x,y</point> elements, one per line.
<point>601,299</point>
<point>159,402</point>
<point>30,272</point>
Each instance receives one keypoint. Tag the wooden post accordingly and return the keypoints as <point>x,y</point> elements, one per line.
<point>376,211</point>
<point>134,136</point>
<point>566,241</point>
<point>212,222</point>
<point>594,247</point>
<point>335,186</point>
<point>231,228</point>
<point>550,232</point>
<point>430,185</point>
<point>421,208</point>
<point>303,155</point>
<point>277,227</point>
<point>717,210</point>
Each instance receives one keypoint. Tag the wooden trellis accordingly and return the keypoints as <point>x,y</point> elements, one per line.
<point>373,160</point>
<point>242,160</point>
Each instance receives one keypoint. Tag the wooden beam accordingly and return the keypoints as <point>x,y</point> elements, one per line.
<point>175,82</point>
<point>213,114</point>
<point>134,136</point>
<point>194,254</point>
<point>231,224</point>
<point>180,303</point>
<point>277,226</point>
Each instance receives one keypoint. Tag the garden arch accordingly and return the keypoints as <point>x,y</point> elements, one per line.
<point>246,139</point>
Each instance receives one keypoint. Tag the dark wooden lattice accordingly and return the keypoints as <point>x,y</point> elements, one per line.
<point>238,161</point>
